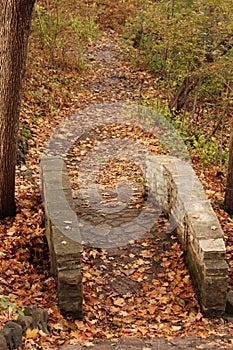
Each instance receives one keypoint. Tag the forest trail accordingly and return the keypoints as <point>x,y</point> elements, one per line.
<point>111,77</point>
<point>141,290</point>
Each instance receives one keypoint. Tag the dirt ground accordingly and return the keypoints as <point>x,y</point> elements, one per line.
<point>186,343</point>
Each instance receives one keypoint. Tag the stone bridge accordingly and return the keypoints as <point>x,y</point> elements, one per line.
<point>181,196</point>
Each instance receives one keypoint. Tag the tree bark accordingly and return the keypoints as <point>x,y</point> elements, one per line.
<point>228,202</point>
<point>15,20</point>
<point>190,82</point>
<point>181,95</point>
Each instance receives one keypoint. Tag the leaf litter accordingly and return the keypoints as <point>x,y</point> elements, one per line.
<point>142,288</point>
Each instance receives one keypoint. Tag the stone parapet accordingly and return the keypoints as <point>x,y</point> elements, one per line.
<point>175,186</point>
<point>63,235</point>
<point>177,190</point>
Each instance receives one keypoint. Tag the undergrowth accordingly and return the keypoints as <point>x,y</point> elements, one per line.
<point>62,30</point>
<point>185,44</point>
<point>188,47</point>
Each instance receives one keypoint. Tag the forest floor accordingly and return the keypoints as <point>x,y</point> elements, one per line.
<point>141,289</point>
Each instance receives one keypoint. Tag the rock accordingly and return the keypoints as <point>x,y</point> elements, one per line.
<point>7,334</point>
<point>39,317</point>
<point>13,336</point>
<point>3,343</point>
<point>25,322</point>
<point>228,318</point>
<point>64,240</point>
<point>229,304</point>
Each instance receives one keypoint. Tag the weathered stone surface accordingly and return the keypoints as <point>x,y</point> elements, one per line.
<point>215,268</point>
<point>204,229</point>
<point>229,304</point>
<point>181,195</point>
<point>25,322</point>
<point>12,332</point>
<point>7,334</point>
<point>157,343</point>
<point>3,343</point>
<point>212,249</point>
<point>63,235</point>
<point>70,295</point>
<point>176,191</point>
<point>39,317</point>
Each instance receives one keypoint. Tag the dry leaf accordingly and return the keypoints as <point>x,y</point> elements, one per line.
<point>152,309</point>
<point>176,328</point>
<point>32,333</point>
<point>88,344</point>
<point>11,231</point>
<point>76,334</point>
<point>119,302</point>
<point>116,322</point>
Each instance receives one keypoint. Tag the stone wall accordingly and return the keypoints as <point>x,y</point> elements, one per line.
<point>62,231</point>
<point>181,196</point>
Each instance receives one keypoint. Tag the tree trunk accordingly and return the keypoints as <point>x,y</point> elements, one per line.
<point>228,202</point>
<point>15,20</point>
<point>181,95</point>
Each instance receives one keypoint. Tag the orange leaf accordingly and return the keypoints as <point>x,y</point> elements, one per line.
<point>32,333</point>
<point>152,309</point>
<point>119,302</point>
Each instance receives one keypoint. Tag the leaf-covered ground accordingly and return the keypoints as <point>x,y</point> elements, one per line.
<point>142,288</point>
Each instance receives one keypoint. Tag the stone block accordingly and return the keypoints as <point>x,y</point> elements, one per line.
<point>215,268</point>
<point>213,295</point>
<point>70,293</point>
<point>26,322</point>
<point>63,236</point>
<point>3,343</point>
<point>13,334</point>
<point>182,197</point>
<point>177,190</point>
<point>212,249</point>
<point>203,229</point>
<point>229,303</point>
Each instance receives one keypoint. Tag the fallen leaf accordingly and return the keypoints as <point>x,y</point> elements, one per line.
<point>116,322</point>
<point>152,309</point>
<point>11,231</point>
<point>176,328</point>
<point>88,344</point>
<point>76,334</point>
<point>32,333</point>
<point>119,302</point>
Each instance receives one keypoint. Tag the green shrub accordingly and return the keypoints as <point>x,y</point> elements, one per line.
<point>62,29</point>
<point>6,303</point>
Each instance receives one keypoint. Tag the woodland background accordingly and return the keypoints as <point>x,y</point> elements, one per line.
<point>179,53</point>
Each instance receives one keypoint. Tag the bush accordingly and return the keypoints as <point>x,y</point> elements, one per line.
<point>62,29</point>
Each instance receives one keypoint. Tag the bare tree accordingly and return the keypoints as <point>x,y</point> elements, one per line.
<point>15,20</point>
